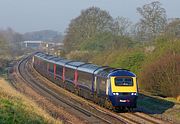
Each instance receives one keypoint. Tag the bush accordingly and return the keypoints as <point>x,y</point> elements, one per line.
<point>131,60</point>
<point>3,66</point>
<point>13,112</point>
<point>162,76</point>
<point>84,56</point>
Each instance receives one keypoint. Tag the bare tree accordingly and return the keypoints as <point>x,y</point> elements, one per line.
<point>4,47</point>
<point>122,26</point>
<point>153,20</point>
<point>172,29</point>
<point>10,42</point>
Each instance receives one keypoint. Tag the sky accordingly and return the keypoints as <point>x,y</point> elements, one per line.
<point>34,15</point>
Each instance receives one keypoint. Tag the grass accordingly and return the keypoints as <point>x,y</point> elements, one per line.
<point>154,103</point>
<point>171,99</point>
<point>159,107</point>
<point>17,109</point>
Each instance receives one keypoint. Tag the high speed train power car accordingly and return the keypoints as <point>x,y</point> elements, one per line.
<point>113,88</point>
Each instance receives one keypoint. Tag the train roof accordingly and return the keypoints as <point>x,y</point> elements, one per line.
<point>121,72</point>
<point>39,54</point>
<point>56,59</point>
<point>89,68</point>
<point>102,71</point>
<point>62,62</point>
<point>49,57</point>
<point>74,64</point>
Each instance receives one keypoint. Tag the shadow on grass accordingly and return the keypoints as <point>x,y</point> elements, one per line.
<point>151,105</point>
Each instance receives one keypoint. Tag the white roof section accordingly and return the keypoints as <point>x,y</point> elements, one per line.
<point>33,42</point>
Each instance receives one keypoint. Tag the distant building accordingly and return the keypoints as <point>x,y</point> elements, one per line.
<point>33,44</point>
<point>48,47</point>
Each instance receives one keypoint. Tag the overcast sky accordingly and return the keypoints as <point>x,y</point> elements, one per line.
<point>33,15</point>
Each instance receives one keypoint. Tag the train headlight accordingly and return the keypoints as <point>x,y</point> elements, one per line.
<point>116,94</point>
<point>134,94</point>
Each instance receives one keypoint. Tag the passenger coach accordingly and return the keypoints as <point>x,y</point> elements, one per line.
<point>110,87</point>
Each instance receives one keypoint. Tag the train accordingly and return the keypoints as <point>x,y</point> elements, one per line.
<point>113,88</point>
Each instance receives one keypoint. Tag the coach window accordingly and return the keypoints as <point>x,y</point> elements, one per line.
<point>59,70</point>
<point>43,65</point>
<point>85,79</point>
<point>69,74</point>
<point>40,62</point>
<point>51,67</point>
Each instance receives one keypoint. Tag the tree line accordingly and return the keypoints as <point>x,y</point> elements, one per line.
<point>93,23</point>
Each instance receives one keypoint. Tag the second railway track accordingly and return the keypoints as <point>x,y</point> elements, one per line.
<point>86,110</point>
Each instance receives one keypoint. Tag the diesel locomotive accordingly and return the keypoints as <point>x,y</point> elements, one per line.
<point>113,88</point>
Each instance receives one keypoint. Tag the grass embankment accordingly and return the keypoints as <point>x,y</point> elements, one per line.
<point>17,109</point>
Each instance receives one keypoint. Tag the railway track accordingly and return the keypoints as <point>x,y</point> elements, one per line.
<point>61,100</point>
<point>87,110</point>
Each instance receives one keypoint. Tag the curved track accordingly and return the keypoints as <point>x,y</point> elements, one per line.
<point>86,110</point>
<point>61,100</point>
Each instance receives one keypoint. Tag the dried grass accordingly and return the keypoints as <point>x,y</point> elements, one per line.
<point>29,107</point>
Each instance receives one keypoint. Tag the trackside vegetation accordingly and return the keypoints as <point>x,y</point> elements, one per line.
<point>17,109</point>
<point>158,70</point>
<point>161,70</point>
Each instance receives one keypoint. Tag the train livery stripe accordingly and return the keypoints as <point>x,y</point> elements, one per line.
<point>75,77</point>
<point>63,76</point>
<point>54,71</point>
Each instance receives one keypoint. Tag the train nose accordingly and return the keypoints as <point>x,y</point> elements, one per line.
<point>124,100</point>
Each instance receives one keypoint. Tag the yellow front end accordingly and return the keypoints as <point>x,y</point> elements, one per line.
<point>122,94</point>
<point>123,89</point>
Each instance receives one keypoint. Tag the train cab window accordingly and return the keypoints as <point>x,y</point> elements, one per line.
<point>123,82</point>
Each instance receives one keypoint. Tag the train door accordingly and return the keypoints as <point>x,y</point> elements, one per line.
<point>33,60</point>
<point>101,84</point>
<point>95,84</point>
<point>107,86</point>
